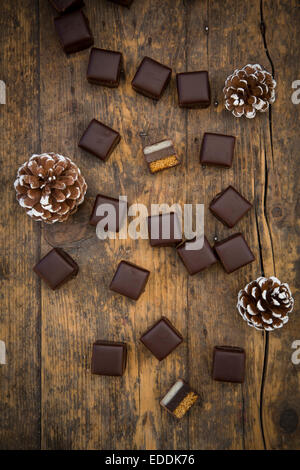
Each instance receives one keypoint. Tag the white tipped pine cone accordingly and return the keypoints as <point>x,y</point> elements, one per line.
<point>50,187</point>
<point>249,90</point>
<point>265,303</point>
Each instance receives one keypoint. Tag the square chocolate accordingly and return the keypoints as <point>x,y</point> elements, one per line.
<point>229,206</point>
<point>119,206</point>
<point>229,364</point>
<point>160,156</point>
<point>74,31</point>
<point>162,338</point>
<point>99,140</point>
<point>126,3</point>
<point>66,5</point>
<point>109,358</point>
<point>196,260</point>
<point>217,149</point>
<point>104,67</point>
<point>151,78</point>
<point>129,280</point>
<point>179,399</point>
<point>164,229</point>
<point>193,89</point>
<point>234,252</point>
<point>56,268</point>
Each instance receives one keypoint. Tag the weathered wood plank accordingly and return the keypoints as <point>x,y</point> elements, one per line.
<point>218,41</point>
<point>81,410</point>
<point>281,405</point>
<point>19,236</point>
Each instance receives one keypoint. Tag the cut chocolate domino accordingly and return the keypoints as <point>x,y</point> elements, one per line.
<point>179,399</point>
<point>160,156</point>
<point>2,353</point>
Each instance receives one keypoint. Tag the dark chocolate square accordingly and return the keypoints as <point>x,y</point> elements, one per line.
<point>151,78</point>
<point>119,206</point>
<point>109,358</point>
<point>66,5</point>
<point>56,268</point>
<point>234,252</point>
<point>129,280</point>
<point>196,260</point>
<point>229,364</point>
<point>104,67</point>
<point>99,140</point>
<point>164,229</point>
<point>74,31</point>
<point>179,399</point>
<point>162,338</point>
<point>217,149</point>
<point>229,206</point>
<point>160,156</point>
<point>193,89</point>
<point>125,3</point>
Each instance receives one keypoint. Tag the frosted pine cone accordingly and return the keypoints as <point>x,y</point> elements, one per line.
<point>50,187</point>
<point>265,303</point>
<point>249,90</point>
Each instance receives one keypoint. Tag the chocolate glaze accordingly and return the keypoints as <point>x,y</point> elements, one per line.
<point>193,89</point>
<point>151,78</point>
<point>120,208</point>
<point>229,364</point>
<point>109,358</point>
<point>56,268</point>
<point>104,67</point>
<point>217,149</point>
<point>180,395</point>
<point>162,338</point>
<point>73,31</point>
<point>175,231</point>
<point>129,280</point>
<point>229,206</point>
<point>234,252</point>
<point>99,140</point>
<point>197,260</point>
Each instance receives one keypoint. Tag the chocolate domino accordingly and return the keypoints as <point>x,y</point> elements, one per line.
<point>56,268</point>
<point>229,364</point>
<point>160,156</point>
<point>66,5</point>
<point>73,31</point>
<point>179,399</point>
<point>109,358</point>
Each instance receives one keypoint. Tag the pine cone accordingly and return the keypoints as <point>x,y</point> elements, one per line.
<point>249,90</point>
<point>265,303</point>
<point>50,187</point>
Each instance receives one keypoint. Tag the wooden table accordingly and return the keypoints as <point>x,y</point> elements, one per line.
<point>48,397</point>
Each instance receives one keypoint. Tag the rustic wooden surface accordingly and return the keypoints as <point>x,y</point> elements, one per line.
<point>48,397</point>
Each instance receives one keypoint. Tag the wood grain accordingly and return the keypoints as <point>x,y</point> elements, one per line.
<point>281,405</point>
<point>20,237</point>
<point>212,294</point>
<point>51,399</point>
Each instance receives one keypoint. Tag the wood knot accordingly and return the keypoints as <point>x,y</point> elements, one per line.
<point>262,28</point>
<point>277,212</point>
<point>289,420</point>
